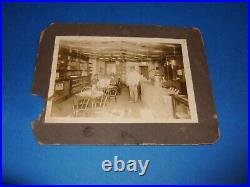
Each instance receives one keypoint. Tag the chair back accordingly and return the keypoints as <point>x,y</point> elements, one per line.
<point>113,91</point>
<point>85,88</point>
<point>80,104</point>
<point>105,99</point>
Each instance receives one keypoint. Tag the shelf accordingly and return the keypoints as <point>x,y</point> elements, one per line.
<point>76,85</point>
<point>79,77</point>
<point>62,79</point>
<point>68,70</point>
<point>73,63</point>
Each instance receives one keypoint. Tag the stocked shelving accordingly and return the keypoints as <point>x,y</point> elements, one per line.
<point>72,74</point>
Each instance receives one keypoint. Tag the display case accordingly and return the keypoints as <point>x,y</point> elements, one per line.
<point>180,107</point>
<point>72,73</point>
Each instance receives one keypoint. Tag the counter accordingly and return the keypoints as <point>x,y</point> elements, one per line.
<point>157,99</point>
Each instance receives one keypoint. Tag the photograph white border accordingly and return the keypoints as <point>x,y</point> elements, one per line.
<point>187,70</point>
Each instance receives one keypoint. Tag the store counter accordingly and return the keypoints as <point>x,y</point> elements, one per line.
<point>157,99</point>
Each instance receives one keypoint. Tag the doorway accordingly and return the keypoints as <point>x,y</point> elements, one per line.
<point>144,71</point>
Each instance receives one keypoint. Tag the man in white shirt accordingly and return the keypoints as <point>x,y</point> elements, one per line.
<point>133,79</point>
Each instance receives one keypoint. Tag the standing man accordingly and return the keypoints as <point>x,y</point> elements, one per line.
<point>133,79</point>
<point>95,79</point>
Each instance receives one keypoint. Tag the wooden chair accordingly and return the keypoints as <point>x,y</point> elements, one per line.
<point>101,101</point>
<point>80,104</point>
<point>85,88</point>
<point>105,100</point>
<point>112,93</point>
<point>119,86</point>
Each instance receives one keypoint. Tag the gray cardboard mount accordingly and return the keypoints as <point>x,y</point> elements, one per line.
<point>205,132</point>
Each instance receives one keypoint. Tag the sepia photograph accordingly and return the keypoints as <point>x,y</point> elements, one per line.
<point>120,80</point>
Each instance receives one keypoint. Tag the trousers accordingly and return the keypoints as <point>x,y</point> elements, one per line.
<point>133,92</point>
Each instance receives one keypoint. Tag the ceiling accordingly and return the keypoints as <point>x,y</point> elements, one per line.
<point>123,49</point>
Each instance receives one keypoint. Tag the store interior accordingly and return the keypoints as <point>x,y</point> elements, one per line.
<point>91,80</point>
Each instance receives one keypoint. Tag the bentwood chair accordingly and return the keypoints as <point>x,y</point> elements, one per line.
<point>112,92</point>
<point>101,101</point>
<point>80,104</point>
<point>85,88</point>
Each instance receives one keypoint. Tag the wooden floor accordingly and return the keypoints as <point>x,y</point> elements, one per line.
<point>120,109</point>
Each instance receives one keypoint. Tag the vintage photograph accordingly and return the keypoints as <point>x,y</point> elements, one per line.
<point>120,80</point>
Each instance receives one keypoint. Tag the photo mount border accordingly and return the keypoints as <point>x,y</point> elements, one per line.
<point>206,131</point>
